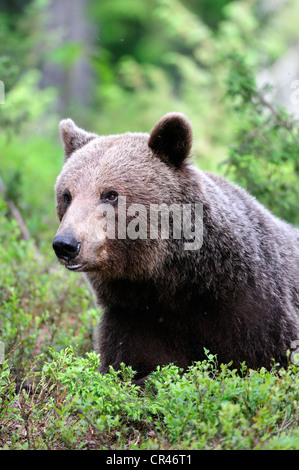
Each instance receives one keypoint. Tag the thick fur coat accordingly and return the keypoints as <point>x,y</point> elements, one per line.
<point>236,295</point>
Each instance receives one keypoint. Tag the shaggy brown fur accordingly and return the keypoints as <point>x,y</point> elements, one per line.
<point>237,296</point>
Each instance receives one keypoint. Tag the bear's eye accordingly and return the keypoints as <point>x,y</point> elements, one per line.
<point>67,198</point>
<point>110,196</point>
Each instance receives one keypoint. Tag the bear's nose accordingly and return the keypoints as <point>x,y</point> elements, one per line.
<point>66,247</point>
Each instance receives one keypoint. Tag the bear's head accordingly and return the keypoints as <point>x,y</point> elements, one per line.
<point>106,191</point>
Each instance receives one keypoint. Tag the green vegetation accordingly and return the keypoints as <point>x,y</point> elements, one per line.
<point>264,155</point>
<point>147,58</point>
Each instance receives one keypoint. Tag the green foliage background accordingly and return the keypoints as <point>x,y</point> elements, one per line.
<point>146,58</point>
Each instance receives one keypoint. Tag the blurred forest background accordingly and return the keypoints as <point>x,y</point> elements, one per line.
<point>116,65</point>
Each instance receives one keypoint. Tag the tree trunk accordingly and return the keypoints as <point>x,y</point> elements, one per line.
<point>66,23</point>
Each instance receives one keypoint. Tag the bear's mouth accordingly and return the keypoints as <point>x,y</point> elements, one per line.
<point>75,267</point>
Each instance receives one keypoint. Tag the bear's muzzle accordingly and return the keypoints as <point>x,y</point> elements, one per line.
<point>66,248</point>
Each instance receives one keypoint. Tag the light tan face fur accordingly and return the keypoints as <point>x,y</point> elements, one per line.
<point>122,164</point>
<point>144,169</point>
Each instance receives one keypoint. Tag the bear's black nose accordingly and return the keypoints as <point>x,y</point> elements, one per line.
<point>66,247</point>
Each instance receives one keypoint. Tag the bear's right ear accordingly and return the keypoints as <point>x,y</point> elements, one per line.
<point>73,137</point>
<point>171,138</point>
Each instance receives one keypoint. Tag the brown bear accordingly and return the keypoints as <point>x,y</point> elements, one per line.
<point>179,259</point>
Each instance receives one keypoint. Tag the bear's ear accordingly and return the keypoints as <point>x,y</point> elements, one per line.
<point>171,138</point>
<point>73,137</point>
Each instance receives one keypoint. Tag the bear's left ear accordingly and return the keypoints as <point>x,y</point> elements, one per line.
<point>73,137</point>
<point>171,138</point>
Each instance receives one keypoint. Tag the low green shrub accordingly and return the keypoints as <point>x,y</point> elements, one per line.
<point>72,406</point>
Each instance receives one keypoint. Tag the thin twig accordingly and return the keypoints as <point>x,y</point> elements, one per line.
<point>18,217</point>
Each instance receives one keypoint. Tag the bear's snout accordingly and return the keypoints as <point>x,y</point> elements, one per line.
<point>66,248</point>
